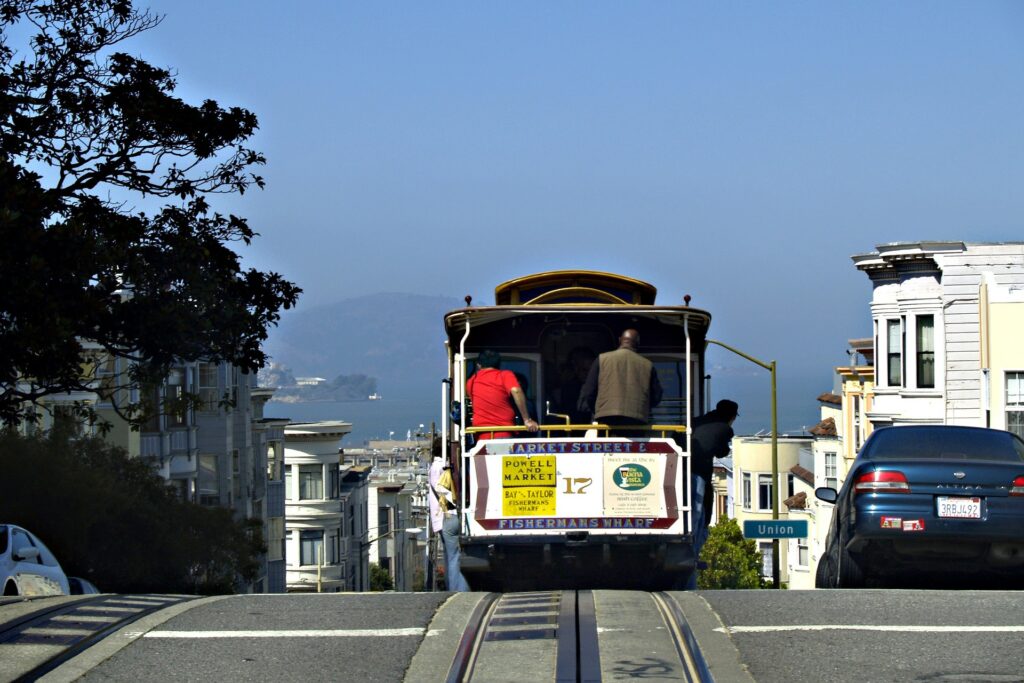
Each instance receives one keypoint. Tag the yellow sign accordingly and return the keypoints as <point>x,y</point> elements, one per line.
<point>528,486</point>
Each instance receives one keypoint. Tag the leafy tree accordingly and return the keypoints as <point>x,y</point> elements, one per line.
<point>732,560</point>
<point>109,518</point>
<point>380,580</point>
<point>86,131</point>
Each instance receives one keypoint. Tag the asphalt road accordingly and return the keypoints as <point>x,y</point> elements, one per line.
<point>293,637</point>
<point>875,635</point>
<point>866,635</point>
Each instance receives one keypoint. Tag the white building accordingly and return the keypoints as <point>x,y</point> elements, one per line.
<point>321,525</point>
<point>948,317</point>
<point>391,545</point>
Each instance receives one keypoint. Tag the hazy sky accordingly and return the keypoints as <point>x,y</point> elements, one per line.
<point>737,152</point>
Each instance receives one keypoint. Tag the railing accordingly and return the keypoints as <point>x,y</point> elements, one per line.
<point>149,445</point>
<point>664,429</point>
<point>179,440</point>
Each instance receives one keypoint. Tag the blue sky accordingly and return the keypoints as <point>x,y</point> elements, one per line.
<point>737,152</point>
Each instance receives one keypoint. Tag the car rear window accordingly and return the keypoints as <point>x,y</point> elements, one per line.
<point>900,443</point>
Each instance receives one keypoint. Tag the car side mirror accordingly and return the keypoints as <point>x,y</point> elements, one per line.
<point>25,552</point>
<point>827,494</point>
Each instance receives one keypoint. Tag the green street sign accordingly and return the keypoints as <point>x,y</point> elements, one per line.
<point>775,528</point>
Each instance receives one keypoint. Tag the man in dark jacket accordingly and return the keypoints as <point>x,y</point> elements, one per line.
<point>622,386</point>
<point>712,434</point>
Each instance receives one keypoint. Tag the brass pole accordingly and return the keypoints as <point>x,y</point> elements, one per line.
<point>777,484</point>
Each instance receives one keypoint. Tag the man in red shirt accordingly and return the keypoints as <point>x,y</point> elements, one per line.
<point>492,392</point>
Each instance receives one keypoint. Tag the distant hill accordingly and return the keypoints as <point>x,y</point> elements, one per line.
<point>396,338</point>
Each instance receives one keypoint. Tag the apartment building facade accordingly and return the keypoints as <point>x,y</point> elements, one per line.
<point>213,453</point>
<point>754,487</point>
<point>392,545</point>
<point>947,317</point>
<point>317,537</point>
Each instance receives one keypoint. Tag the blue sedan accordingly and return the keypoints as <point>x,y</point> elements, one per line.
<point>927,501</point>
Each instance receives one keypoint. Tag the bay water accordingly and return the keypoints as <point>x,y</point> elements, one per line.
<point>382,419</point>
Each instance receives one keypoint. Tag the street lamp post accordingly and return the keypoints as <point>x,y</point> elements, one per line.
<point>776,487</point>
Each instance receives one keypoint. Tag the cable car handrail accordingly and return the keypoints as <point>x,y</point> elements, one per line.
<point>579,428</point>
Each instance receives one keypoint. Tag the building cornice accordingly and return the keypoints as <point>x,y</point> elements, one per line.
<point>895,259</point>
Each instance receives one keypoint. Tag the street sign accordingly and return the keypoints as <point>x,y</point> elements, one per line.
<point>775,528</point>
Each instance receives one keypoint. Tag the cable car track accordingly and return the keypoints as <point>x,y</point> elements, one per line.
<point>52,635</point>
<point>563,629</point>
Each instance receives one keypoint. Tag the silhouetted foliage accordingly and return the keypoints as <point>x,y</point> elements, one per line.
<point>85,131</point>
<point>109,518</point>
<point>732,560</point>
<point>380,580</point>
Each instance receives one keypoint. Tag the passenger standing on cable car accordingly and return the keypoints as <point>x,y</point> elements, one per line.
<point>622,386</point>
<point>712,435</point>
<point>492,392</point>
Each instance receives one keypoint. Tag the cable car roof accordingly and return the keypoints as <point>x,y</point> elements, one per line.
<point>574,287</point>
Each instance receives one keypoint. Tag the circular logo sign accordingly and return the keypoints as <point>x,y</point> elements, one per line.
<point>631,477</point>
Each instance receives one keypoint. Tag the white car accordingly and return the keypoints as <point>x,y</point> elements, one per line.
<point>27,567</point>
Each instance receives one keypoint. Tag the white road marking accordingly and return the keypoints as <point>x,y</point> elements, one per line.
<point>888,628</point>
<point>312,633</point>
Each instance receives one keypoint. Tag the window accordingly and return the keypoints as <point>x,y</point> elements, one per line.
<point>334,547</point>
<point>383,521</point>
<point>672,375</point>
<point>332,482</point>
<point>926,351</point>
<point>209,482</point>
<point>766,559</point>
<point>275,539</point>
<point>106,373</point>
<point>746,491</point>
<point>21,540</point>
<point>857,440</point>
<point>274,461</point>
<point>174,395</point>
<point>802,553</point>
<point>311,482</point>
<point>895,353</point>
<point>764,491</point>
<point>831,476</point>
<point>208,387</point>
<point>289,557</point>
<point>1015,403</point>
<point>311,543</point>
<point>153,408</point>
<point>790,486</point>
<point>288,481</point>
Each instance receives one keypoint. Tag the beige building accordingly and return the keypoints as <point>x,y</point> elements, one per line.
<point>754,487</point>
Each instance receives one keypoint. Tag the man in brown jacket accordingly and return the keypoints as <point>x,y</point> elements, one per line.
<point>622,385</point>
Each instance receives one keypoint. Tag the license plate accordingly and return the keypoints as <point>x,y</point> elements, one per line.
<point>959,508</point>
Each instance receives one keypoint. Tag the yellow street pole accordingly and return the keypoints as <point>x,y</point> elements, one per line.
<point>319,569</point>
<point>776,485</point>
